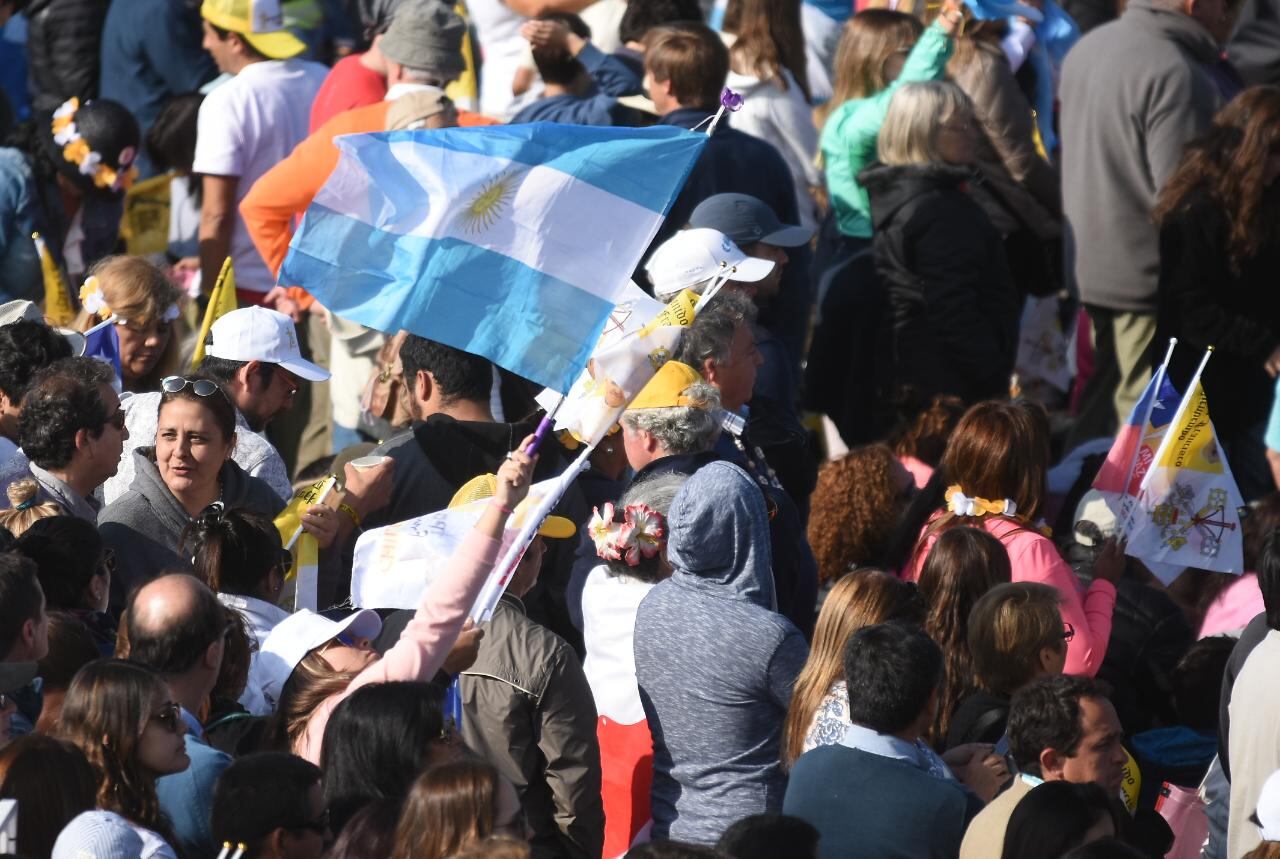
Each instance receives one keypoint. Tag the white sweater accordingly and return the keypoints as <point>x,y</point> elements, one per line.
<point>1255,742</point>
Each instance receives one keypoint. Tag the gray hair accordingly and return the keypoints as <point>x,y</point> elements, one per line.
<point>657,492</point>
<point>681,429</point>
<point>412,75</point>
<point>909,133</point>
<point>710,336</point>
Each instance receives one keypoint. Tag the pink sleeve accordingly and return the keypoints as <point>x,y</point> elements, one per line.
<point>427,638</point>
<point>1039,561</point>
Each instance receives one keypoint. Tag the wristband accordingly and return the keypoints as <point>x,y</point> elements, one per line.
<point>351,512</point>
<point>506,510</point>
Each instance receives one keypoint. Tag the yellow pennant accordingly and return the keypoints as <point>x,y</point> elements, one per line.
<point>221,302</point>
<point>58,308</point>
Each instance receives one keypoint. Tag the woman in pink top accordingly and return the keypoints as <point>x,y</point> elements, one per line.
<point>996,460</point>
<point>327,674</point>
<point>919,444</point>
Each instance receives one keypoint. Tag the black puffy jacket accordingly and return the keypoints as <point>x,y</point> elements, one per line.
<point>64,43</point>
<point>952,304</point>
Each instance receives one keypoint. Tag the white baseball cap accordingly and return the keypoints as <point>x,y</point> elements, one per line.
<point>259,334</point>
<point>20,309</point>
<point>98,835</point>
<point>693,256</point>
<point>299,634</point>
<point>1268,812</point>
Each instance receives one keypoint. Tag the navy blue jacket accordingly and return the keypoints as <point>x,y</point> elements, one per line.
<point>613,78</point>
<point>870,807</point>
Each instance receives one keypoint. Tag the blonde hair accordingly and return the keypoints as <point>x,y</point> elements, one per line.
<point>909,134</point>
<point>869,39</point>
<point>862,598</point>
<point>138,291</point>
<point>18,518</point>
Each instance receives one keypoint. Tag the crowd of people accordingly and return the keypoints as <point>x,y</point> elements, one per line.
<point>837,583</point>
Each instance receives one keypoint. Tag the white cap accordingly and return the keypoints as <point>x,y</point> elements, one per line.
<point>299,634</point>
<point>21,309</point>
<point>98,835</point>
<point>259,334</point>
<point>693,256</point>
<point>1094,509</point>
<point>1268,813</point>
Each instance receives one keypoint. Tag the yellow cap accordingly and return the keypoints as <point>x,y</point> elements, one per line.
<point>259,22</point>
<point>666,389</point>
<point>480,489</point>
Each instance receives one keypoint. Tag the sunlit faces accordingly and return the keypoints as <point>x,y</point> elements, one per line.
<point>162,749</point>
<point>190,448</point>
<point>142,347</point>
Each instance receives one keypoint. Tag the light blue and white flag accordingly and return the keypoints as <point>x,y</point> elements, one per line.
<point>511,242</point>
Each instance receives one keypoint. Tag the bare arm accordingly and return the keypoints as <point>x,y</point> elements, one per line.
<point>217,219</point>
<point>534,8</point>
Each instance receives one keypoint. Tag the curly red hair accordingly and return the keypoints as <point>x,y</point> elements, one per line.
<point>858,504</point>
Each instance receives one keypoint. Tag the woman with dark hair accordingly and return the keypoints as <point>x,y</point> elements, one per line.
<point>767,66</point>
<point>64,176</point>
<point>453,805</point>
<point>997,461</point>
<point>1056,817</point>
<point>1219,218</point>
<point>71,647</point>
<point>123,717</point>
<point>52,783</point>
<point>75,570</point>
<point>963,565</point>
<point>239,555</point>
<point>378,741</point>
<point>188,469</point>
<point>370,833</point>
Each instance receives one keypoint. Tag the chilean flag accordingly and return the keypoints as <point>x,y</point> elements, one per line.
<point>1135,445</point>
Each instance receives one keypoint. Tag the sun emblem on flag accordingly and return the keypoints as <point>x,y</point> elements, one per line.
<point>489,203</point>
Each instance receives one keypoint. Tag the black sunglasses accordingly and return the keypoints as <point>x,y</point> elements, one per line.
<point>170,717</point>
<point>116,419</point>
<point>1068,632</point>
<point>201,387</point>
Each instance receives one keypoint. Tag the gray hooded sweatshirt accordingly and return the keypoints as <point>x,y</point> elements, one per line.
<point>145,524</point>
<point>715,663</point>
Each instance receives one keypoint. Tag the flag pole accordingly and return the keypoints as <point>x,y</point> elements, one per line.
<point>544,426</point>
<point>505,568</point>
<point>730,101</point>
<point>1177,419</point>
<point>1128,500</point>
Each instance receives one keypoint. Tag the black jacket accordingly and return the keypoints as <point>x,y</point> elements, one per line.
<point>952,305</point>
<point>64,42</point>
<point>1203,303</point>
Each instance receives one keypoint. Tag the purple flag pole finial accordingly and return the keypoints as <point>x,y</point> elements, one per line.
<point>730,101</point>
<point>544,427</point>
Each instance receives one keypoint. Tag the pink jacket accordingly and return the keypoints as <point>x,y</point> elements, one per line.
<point>1034,558</point>
<point>427,638</point>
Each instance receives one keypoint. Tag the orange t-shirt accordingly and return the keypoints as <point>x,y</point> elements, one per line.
<point>284,192</point>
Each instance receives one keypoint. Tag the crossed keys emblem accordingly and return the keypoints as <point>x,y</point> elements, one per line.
<point>1178,521</point>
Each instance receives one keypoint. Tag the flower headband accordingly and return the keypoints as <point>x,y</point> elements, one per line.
<point>964,505</point>
<point>94,301</point>
<point>640,534</point>
<point>75,149</point>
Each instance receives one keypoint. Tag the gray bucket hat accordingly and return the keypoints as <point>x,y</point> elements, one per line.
<point>426,34</point>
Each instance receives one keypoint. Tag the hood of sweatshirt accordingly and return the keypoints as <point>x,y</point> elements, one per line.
<point>1176,27</point>
<point>890,188</point>
<point>237,490</point>
<point>719,536</point>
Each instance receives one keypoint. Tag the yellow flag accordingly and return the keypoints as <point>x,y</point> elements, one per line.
<point>145,225</point>
<point>1193,444</point>
<point>305,549</point>
<point>58,308</point>
<point>221,302</point>
<point>465,90</point>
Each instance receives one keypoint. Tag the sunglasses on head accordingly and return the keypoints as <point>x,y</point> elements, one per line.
<point>201,387</point>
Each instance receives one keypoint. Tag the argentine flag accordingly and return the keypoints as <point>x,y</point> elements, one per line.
<point>511,242</point>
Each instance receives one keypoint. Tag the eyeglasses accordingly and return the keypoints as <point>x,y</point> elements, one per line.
<point>117,419</point>
<point>1068,632</point>
<point>170,716</point>
<point>201,387</point>
<point>319,826</point>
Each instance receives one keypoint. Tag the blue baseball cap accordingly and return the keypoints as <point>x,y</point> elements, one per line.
<point>746,219</point>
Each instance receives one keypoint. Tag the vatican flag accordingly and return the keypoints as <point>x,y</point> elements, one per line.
<point>58,308</point>
<point>221,302</point>
<point>1188,510</point>
<point>303,575</point>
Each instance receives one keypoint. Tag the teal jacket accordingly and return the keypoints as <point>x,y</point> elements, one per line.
<point>849,136</point>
